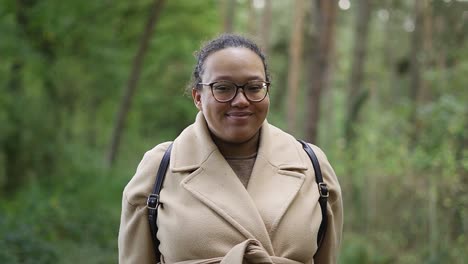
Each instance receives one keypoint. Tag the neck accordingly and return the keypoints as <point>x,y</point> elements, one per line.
<point>242,149</point>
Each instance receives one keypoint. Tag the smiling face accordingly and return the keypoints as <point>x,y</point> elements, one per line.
<point>239,120</point>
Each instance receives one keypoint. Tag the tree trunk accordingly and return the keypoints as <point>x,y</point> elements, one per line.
<point>132,82</point>
<point>252,22</point>
<point>415,69</point>
<point>325,14</point>
<point>422,44</point>
<point>295,64</point>
<point>425,94</point>
<point>356,93</point>
<point>11,147</point>
<point>92,129</point>
<point>266,27</point>
<point>20,157</point>
<point>229,14</point>
<point>432,216</point>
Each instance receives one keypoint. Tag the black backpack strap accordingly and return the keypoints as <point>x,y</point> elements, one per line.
<point>153,200</point>
<point>323,191</point>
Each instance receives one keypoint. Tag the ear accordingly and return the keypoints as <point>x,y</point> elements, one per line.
<point>196,95</point>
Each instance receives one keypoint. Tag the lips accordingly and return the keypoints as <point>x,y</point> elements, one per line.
<point>239,114</point>
<point>239,118</point>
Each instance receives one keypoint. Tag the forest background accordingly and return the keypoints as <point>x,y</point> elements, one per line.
<point>88,86</point>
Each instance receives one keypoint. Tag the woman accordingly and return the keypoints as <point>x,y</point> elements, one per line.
<point>238,189</point>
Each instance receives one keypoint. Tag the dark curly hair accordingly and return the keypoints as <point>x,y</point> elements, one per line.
<point>222,42</point>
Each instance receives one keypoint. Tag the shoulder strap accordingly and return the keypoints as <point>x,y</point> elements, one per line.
<point>153,200</point>
<point>322,188</point>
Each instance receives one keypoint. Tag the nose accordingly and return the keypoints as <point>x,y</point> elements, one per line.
<point>240,100</point>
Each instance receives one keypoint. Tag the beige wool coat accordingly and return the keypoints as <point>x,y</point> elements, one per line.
<point>208,216</point>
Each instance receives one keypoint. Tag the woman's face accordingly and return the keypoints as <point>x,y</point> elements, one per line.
<point>239,120</point>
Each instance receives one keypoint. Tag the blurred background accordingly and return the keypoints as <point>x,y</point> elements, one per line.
<point>88,86</point>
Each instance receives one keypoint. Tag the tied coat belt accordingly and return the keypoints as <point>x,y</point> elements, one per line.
<point>249,251</point>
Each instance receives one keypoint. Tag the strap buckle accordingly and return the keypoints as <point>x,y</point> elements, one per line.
<point>323,189</point>
<point>153,201</point>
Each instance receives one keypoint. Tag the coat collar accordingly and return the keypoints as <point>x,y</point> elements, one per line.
<point>194,145</point>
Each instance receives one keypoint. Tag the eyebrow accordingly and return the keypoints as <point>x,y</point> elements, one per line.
<point>228,78</point>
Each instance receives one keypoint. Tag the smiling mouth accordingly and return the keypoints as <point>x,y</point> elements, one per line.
<point>239,114</point>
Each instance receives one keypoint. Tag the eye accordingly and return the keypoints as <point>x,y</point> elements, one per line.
<point>222,87</point>
<point>255,87</point>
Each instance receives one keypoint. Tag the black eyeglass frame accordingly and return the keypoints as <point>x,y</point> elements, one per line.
<point>237,90</point>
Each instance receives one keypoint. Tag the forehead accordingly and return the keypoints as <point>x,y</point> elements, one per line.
<point>233,63</point>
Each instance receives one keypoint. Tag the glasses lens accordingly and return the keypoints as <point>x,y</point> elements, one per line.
<point>256,91</point>
<point>224,91</point>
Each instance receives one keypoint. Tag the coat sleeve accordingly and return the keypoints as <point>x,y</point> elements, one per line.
<point>329,250</point>
<point>134,242</point>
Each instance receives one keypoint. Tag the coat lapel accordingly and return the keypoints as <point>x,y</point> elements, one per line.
<point>277,175</point>
<point>217,186</point>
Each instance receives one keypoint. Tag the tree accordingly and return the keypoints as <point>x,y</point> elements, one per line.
<point>357,94</point>
<point>252,19</point>
<point>20,162</point>
<point>324,13</point>
<point>415,67</point>
<point>229,15</point>
<point>133,81</point>
<point>266,26</point>
<point>295,63</point>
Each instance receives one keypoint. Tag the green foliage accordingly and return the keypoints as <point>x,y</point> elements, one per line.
<point>359,250</point>
<point>63,68</point>
<point>75,219</point>
<point>25,247</point>
<point>419,189</point>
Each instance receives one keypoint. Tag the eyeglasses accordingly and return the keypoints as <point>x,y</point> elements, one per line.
<point>225,91</point>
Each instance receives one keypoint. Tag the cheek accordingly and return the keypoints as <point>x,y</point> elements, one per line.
<point>211,107</point>
<point>265,106</point>
<point>204,104</point>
